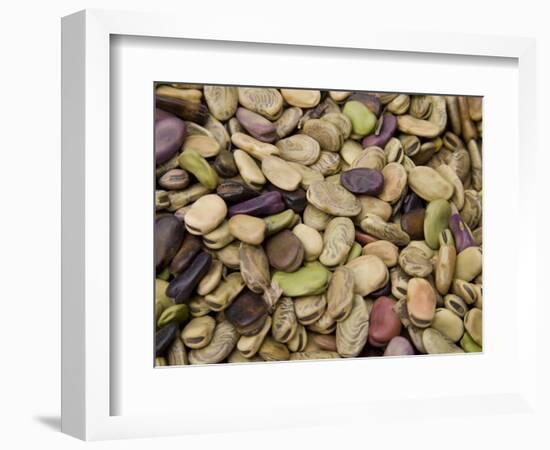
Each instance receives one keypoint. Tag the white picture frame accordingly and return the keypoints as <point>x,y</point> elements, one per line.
<point>88,327</point>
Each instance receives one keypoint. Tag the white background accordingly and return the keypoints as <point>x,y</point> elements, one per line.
<point>30,185</point>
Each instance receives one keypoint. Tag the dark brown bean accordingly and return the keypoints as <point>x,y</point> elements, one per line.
<point>413,223</point>
<point>234,192</point>
<point>169,232</point>
<point>285,251</point>
<point>190,247</point>
<point>247,313</point>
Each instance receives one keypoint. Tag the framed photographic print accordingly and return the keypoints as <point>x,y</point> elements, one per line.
<point>295,230</point>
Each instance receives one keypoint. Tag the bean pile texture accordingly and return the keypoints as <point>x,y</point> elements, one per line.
<point>304,224</point>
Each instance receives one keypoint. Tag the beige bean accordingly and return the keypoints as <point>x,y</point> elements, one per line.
<point>288,121</point>
<point>265,101</point>
<point>225,293</point>
<point>222,101</point>
<point>429,184</point>
<point>340,293</point>
<point>221,345</point>
<point>350,151</point>
<point>198,332</point>
<point>302,98</point>
<point>205,146</point>
<point>371,158</point>
<point>473,325</point>
<point>421,301</point>
<point>326,133</point>
<point>325,325</point>
<point>468,263</point>
<point>337,241</point>
<point>436,343</point>
<point>342,122</point>
<point>253,147</point>
<point>299,148</point>
<point>320,354</point>
<point>311,239</point>
<point>219,237</point>
<point>249,345</point>
<point>339,96</point>
<point>399,105</point>
<point>198,307</point>
<point>352,332</point>
<point>179,199</point>
<point>399,283</point>
<point>218,132</point>
<point>298,342</point>
<point>248,169</point>
<point>309,309</point>
<point>448,324</point>
<point>373,205</point>
<point>212,278</point>
<point>205,214</point>
<point>176,355</point>
<point>370,274</point>
<point>280,173</point>
<point>190,95</point>
<point>309,175</point>
<point>385,250</point>
<point>271,350</point>
<point>248,229</point>
<point>416,259</point>
<point>395,182</point>
<point>315,218</point>
<point>284,324</point>
<point>458,188</point>
<point>375,226</point>
<point>328,163</point>
<point>464,290</point>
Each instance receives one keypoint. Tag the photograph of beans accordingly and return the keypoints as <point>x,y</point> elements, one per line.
<point>301,224</point>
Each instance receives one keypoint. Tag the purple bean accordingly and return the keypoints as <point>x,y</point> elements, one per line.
<point>264,205</point>
<point>181,287</point>
<point>461,233</point>
<point>363,181</point>
<point>389,125</point>
<point>399,346</point>
<point>170,133</point>
<point>258,126</point>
